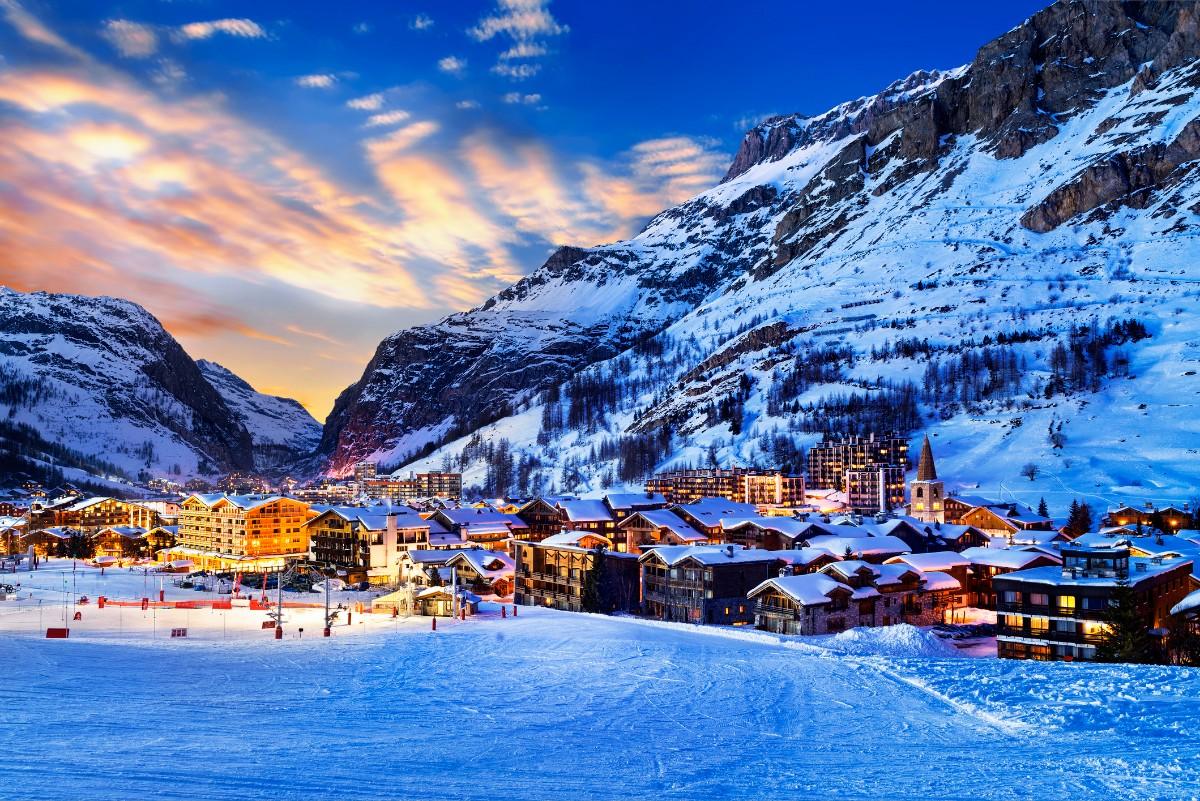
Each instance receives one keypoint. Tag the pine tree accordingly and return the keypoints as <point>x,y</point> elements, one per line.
<point>1043,510</point>
<point>591,597</point>
<point>1127,638</point>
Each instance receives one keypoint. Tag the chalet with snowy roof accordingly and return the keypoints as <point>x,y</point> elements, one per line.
<point>122,542</point>
<point>589,515</point>
<point>486,572</point>
<point>949,562</point>
<point>703,583</point>
<point>1058,612</point>
<point>955,507</point>
<point>551,573</point>
<point>483,526</point>
<point>1169,519</point>
<point>366,542</point>
<point>870,549</point>
<point>710,516</point>
<point>854,593</point>
<point>542,519</point>
<point>770,533</point>
<point>988,563</point>
<point>425,568</point>
<point>653,527</point>
<point>49,541</point>
<point>161,537</point>
<point>1006,520</point>
<point>922,536</point>
<point>92,514</point>
<point>623,504</point>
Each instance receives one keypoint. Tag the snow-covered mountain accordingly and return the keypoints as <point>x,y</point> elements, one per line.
<point>95,387</point>
<point>961,252</point>
<point>281,430</point>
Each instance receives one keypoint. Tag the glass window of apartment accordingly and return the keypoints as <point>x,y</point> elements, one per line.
<point>1039,599</point>
<point>1066,602</point>
<point>1012,597</point>
<point>1039,624</point>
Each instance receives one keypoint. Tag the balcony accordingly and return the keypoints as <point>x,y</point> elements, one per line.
<point>1049,635</point>
<point>1052,610</point>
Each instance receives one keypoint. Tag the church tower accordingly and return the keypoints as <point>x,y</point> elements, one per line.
<point>926,494</point>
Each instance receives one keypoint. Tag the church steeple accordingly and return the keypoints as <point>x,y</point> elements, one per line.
<point>925,468</point>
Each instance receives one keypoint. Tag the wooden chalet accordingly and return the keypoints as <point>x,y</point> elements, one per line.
<point>654,527</point>
<point>703,584</point>
<point>551,572</point>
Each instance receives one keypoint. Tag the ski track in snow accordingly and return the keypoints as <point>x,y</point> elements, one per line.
<point>560,706</point>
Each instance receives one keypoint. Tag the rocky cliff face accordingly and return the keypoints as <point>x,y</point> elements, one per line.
<point>101,378</point>
<point>1046,183</point>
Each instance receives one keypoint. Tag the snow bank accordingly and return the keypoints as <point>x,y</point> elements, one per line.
<point>899,640</point>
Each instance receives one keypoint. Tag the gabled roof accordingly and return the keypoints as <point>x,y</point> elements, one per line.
<point>428,557</point>
<point>859,546</point>
<point>710,511</point>
<point>586,511</point>
<point>936,581</point>
<point>489,564</point>
<point>1004,558</point>
<point>663,518</point>
<point>129,532</point>
<point>86,503</point>
<point>573,538</point>
<point>934,560</point>
<point>802,556</point>
<point>473,518</point>
<point>852,568</point>
<point>811,589</point>
<point>707,554</point>
<point>635,500</point>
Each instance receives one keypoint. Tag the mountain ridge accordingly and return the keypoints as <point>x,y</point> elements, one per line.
<point>930,188</point>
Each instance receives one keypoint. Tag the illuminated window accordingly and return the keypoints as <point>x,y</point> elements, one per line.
<point>1039,624</point>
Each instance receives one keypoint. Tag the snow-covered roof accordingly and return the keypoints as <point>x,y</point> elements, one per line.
<point>489,564</point>
<point>130,532</point>
<point>790,527</point>
<point>810,589</point>
<point>586,511</point>
<point>934,560</point>
<point>801,556</point>
<point>1035,537</point>
<point>1190,602</point>
<point>937,581</point>
<point>852,568</point>
<point>707,554</point>
<point>635,500</point>
<point>859,546</point>
<point>1003,557</point>
<point>573,538</point>
<point>436,557</point>
<point>1140,569</point>
<point>709,511</point>
<point>87,503</point>
<point>973,500</point>
<point>475,518</point>
<point>663,518</point>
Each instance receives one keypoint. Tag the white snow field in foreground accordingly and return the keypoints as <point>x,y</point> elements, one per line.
<point>559,706</point>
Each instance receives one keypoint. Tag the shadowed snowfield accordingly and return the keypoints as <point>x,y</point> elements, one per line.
<point>555,705</point>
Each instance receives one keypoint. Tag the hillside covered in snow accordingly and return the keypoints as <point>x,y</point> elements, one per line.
<point>96,388</point>
<point>281,430</point>
<point>1003,254</point>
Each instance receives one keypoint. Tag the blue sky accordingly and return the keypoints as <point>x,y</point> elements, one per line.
<point>284,184</point>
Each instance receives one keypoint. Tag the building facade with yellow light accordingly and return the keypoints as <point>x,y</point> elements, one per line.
<point>240,532</point>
